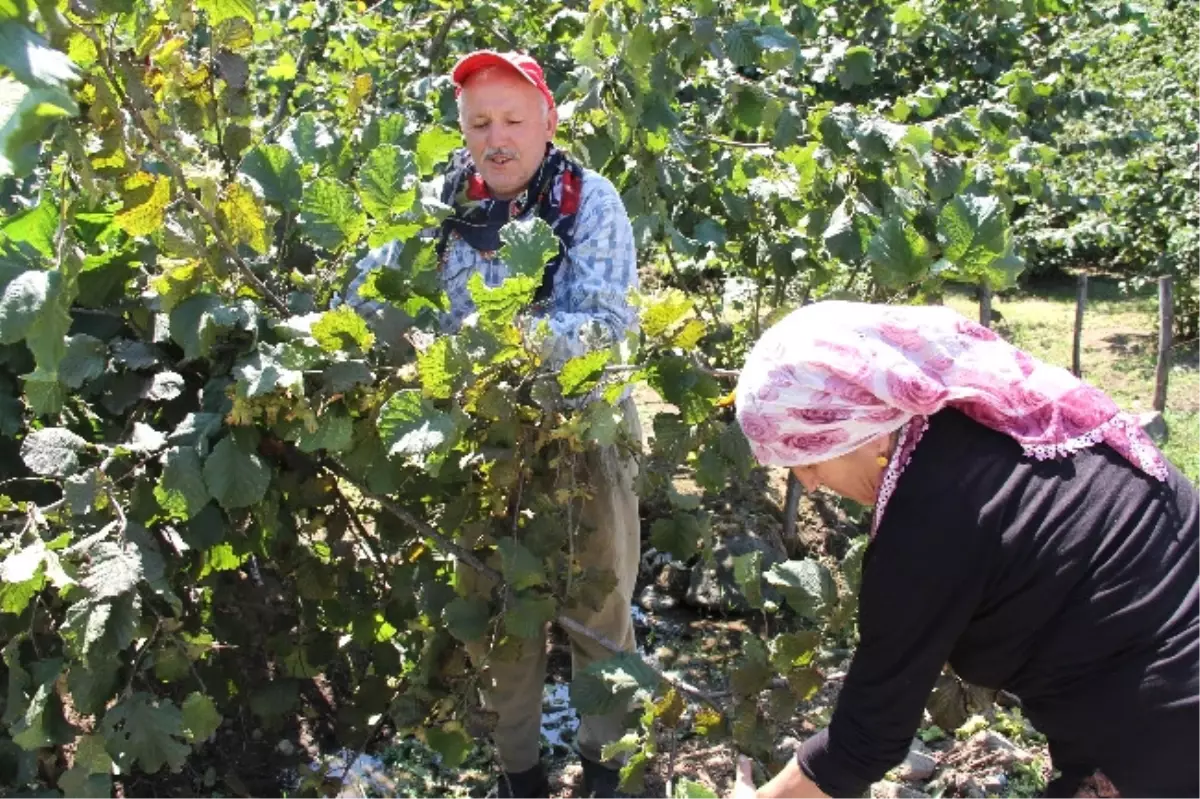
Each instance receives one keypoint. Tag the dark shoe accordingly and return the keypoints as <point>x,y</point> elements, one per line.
<point>601,781</point>
<point>528,784</point>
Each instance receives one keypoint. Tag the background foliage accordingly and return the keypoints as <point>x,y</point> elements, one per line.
<point>223,493</point>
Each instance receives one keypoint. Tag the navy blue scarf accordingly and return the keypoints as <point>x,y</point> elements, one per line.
<point>553,194</point>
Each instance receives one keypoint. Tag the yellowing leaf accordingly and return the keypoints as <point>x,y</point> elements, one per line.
<point>242,214</point>
<point>220,10</point>
<point>341,329</point>
<point>146,198</point>
<point>358,93</point>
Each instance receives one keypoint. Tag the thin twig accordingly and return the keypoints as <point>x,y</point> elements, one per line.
<point>360,531</point>
<point>748,145</point>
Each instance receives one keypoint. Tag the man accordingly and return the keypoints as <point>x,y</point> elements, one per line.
<point>510,168</point>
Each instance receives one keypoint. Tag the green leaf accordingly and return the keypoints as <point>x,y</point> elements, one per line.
<point>275,172</point>
<point>974,234</point>
<point>262,372</point>
<point>608,686</point>
<point>900,254</point>
<point>200,718</point>
<point>852,563</point>
<point>16,593</point>
<point>24,299</point>
<point>604,423</point>
<point>329,214</point>
<point>747,573</point>
<point>52,451</point>
<point>84,361</point>
<point>42,723</point>
<point>91,686</point>
<point>452,743</point>
<point>690,789</point>
<point>385,182</point>
<point>343,376</point>
<point>499,307</point>
<point>581,374</point>
<point>236,479</point>
<point>32,60</point>
<point>633,774</point>
<point>466,618</point>
<point>848,231</point>
<point>36,227</point>
<point>627,744</point>
<point>806,585</point>
<point>95,631</point>
<point>334,433</point>
<point>857,67</point>
<point>78,781</point>
<point>682,384</point>
<point>680,536</point>
<point>410,426</point>
<point>343,329</point>
<point>741,45</point>
<point>80,492</point>
<point>146,731</point>
<point>90,755</point>
<point>181,489</point>
<point>221,558</point>
<point>663,312</point>
<point>434,145</point>
<point>754,671</point>
<point>943,176</point>
<point>528,244</point>
<point>792,650</point>
<point>115,569</point>
<point>526,616</point>
<point>25,114</point>
<point>443,366</point>
<point>193,325</point>
<point>220,10</point>
<point>520,567</point>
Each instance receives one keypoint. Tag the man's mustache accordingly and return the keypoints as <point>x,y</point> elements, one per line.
<point>491,152</point>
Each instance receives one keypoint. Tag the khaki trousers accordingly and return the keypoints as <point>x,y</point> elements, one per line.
<point>512,688</point>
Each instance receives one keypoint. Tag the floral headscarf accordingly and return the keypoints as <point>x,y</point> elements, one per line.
<point>834,375</point>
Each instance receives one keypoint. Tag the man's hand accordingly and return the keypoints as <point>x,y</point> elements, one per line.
<point>743,785</point>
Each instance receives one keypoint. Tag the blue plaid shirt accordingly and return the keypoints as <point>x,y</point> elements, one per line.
<point>589,302</point>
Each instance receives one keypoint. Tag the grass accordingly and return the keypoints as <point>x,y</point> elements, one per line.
<point>1118,352</point>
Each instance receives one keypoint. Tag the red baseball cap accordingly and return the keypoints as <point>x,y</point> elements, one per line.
<point>522,64</point>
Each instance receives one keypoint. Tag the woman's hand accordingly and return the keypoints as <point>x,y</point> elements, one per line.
<point>743,784</point>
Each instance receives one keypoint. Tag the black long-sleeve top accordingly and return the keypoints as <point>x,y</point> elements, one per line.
<point>1070,583</point>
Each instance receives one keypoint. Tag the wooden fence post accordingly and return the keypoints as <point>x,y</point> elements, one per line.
<point>1165,323</point>
<point>791,507</point>
<point>1080,302</point>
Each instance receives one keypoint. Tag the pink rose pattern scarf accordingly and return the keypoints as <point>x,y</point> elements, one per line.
<point>834,375</point>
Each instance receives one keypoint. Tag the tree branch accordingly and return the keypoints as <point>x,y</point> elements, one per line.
<point>439,38</point>
<point>449,547</point>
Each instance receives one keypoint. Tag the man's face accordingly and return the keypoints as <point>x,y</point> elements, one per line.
<point>506,128</point>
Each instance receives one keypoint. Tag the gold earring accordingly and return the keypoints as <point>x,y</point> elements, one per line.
<point>882,461</point>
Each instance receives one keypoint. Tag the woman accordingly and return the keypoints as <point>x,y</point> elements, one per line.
<point>1026,532</point>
